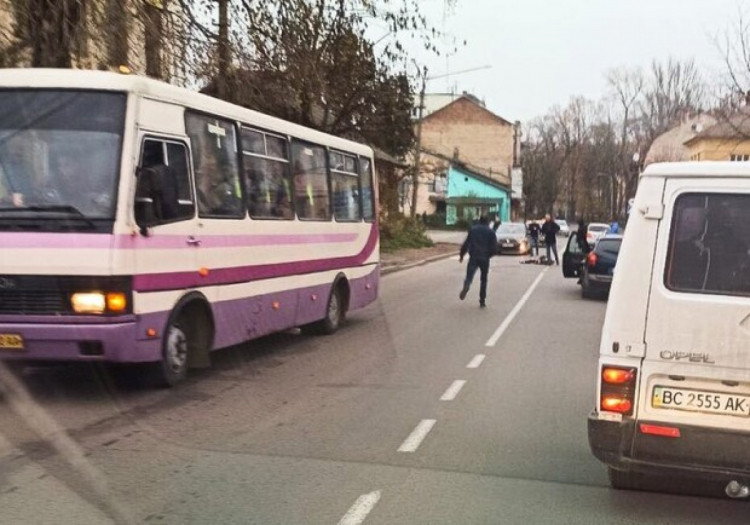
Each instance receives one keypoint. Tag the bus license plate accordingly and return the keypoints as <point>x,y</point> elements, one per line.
<point>11,342</point>
<point>701,401</point>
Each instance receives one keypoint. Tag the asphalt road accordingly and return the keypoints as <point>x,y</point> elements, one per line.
<point>382,423</point>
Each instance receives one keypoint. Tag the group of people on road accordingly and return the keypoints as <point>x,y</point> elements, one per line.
<point>481,245</point>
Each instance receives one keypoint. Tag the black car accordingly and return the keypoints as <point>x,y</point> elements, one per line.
<point>596,268</point>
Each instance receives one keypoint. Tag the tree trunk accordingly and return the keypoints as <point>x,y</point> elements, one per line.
<point>117,37</point>
<point>223,49</point>
<point>154,36</point>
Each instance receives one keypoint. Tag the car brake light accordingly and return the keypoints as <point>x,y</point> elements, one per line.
<point>618,376</point>
<point>591,260</point>
<point>618,389</point>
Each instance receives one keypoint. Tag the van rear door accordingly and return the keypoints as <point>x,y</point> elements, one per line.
<point>697,362</point>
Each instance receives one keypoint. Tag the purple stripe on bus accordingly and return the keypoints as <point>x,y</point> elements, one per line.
<point>177,280</point>
<point>174,242</point>
<point>162,242</point>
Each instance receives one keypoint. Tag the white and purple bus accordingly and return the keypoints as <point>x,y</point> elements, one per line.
<point>145,223</point>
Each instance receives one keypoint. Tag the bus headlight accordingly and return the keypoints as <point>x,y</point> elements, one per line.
<point>88,302</point>
<point>98,302</point>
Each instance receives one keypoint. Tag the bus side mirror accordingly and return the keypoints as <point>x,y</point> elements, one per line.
<point>146,199</point>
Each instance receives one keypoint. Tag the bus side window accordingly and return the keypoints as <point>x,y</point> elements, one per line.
<point>368,195</point>
<point>163,193</point>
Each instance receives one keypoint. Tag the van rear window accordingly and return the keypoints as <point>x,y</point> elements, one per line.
<point>709,243</point>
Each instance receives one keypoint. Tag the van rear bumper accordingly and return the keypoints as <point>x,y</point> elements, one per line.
<point>705,452</point>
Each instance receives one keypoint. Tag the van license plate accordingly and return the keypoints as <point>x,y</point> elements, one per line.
<point>701,401</point>
<point>11,342</point>
<point>507,245</point>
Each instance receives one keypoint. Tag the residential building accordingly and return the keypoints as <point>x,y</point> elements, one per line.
<point>670,146</point>
<point>728,139</point>
<point>460,130</point>
<point>470,195</point>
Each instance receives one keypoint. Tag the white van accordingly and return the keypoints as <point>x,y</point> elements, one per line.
<point>673,393</point>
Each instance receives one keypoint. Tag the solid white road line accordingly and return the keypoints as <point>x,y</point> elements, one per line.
<point>476,361</point>
<point>411,444</point>
<point>361,508</point>
<point>513,313</point>
<point>453,390</point>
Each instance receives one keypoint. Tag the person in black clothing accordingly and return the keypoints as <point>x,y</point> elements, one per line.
<point>550,229</point>
<point>481,244</point>
<point>534,230</point>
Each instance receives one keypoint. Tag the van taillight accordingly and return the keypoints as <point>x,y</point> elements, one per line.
<point>618,389</point>
<point>591,259</point>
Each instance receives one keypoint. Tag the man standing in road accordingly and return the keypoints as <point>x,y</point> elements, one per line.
<point>550,229</point>
<point>481,244</point>
<point>534,230</point>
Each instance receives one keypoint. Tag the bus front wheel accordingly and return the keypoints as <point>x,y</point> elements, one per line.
<point>186,344</point>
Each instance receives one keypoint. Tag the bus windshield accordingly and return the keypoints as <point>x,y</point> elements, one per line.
<point>59,154</point>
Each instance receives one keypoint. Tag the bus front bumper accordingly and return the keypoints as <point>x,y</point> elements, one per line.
<point>75,339</point>
<point>708,453</point>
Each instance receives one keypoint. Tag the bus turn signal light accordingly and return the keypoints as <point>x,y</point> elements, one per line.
<point>116,302</point>
<point>618,376</point>
<point>616,404</point>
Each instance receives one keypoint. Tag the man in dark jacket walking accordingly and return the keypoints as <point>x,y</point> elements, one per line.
<point>481,244</point>
<point>550,229</point>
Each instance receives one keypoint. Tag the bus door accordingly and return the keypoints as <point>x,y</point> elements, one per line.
<point>165,208</point>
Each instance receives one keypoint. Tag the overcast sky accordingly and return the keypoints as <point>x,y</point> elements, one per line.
<point>542,52</point>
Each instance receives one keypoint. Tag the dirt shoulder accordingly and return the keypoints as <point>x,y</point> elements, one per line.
<point>410,256</point>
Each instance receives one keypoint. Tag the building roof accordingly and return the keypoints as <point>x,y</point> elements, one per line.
<point>472,99</point>
<point>471,169</point>
<point>670,145</point>
<point>734,126</point>
<point>482,178</point>
<point>436,101</point>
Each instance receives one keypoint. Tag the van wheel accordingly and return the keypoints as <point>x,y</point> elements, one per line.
<point>335,313</point>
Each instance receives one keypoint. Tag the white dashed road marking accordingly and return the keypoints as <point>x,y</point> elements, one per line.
<point>411,444</point>
<point>453,390</point>
<point>361,508</point>
<point>476,361</point>
<point>513,313</point>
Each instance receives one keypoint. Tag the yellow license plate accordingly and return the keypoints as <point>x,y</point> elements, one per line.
<point>11,342</point>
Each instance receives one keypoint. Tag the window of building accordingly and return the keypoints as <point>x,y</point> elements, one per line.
<point>368,195</point>
<point>344,186</point>
<point>311,194</point>
<point>740,158</point>
<point>709,244</point>
<point>216,165</point>
<point>168,196</point>
<point>267,183</point>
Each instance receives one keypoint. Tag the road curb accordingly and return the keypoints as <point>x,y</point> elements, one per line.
<point>400,267</point>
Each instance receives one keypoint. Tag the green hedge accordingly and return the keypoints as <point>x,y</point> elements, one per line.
<point>400,232</point>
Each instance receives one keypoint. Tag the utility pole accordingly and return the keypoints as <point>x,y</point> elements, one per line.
<point>418,152</point>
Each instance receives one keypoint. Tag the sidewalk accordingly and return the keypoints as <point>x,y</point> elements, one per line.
<point>411,257</point>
